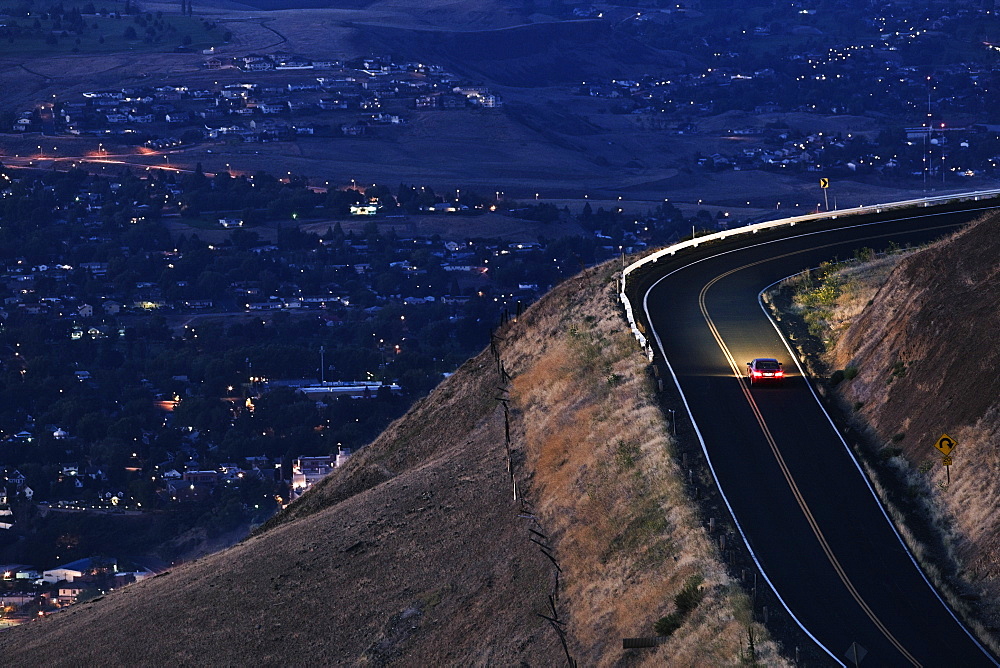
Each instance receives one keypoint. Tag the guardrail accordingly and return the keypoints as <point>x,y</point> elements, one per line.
<point>771,224</point>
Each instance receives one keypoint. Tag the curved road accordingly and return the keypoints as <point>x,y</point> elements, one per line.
<point>798,496</point>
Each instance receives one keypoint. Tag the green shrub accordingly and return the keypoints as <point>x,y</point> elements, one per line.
<point>850,373</point>
<point>686,600</point>
<point>690,596</point>
<point>665,626</point>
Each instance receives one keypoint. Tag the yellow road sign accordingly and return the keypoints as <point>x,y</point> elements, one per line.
<point>945,444</point>
<point>824,183</point>
<point>947,461</point>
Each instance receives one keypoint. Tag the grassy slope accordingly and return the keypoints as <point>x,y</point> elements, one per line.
<point>919,330</point>
<point>415,551</point>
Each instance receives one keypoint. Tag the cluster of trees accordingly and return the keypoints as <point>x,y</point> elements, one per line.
<point>57,24</point>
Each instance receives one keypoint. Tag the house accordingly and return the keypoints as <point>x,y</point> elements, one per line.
<point>95,268</point>
<point>490,101</point>
<point>230,223</point>
<point>67,573</point>
<point>15,478</point>
<point>257,63</point>
<point>293,63</point>
<point>306,471</point>
<point>273,107</point>
<point>198,303</point>
<point>203,477</point>
<point>331,103</point>
<point>428,101</point>
<point>364,209</point>
<point>85,311</point>
<point>69,593</point>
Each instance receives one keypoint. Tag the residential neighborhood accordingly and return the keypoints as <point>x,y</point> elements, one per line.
<point>259,98</point>
<point>190,352</point>
<point>27,593</point>
<point>882,83</point>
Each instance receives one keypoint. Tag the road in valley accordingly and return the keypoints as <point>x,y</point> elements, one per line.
<point>798,496</point>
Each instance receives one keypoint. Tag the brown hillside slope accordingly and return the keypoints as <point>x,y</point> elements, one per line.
<point>415,552</point>
<point>928,357</point>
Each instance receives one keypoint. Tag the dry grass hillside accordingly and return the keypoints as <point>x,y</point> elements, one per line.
<point>920,333</point>
<point>416,552</point>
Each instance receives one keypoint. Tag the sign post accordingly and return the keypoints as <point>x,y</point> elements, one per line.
<point>946,444</point>
<point>856,654</point>
<point>825,185</point>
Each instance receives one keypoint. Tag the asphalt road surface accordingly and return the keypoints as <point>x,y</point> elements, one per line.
<point>805,509</point>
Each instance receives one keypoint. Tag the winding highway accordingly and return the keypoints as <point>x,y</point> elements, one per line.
<point>798,496</point>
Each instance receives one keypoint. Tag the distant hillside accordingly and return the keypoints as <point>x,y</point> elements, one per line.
<point>927,358</point>
<point>303,4</point>
<point>539,54</point>
<point>417,553</point>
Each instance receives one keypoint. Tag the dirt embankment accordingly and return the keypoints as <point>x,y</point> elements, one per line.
<point>417,553</point>
<point>926,354</point>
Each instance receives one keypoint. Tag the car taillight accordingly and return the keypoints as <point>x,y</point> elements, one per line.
<point>758,374</point>
<point>779,373</point>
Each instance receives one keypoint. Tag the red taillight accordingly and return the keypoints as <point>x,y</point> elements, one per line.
<point>757,374</point>
<point>779,373</point>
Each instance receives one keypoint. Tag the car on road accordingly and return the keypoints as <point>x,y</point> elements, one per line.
<point>764,370</point>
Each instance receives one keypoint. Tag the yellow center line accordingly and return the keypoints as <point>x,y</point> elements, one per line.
<point>737,371</point>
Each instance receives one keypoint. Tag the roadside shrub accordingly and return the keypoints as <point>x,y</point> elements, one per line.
<point>665,626</point>
<point>837,377</point>
<point>850,373</point>
<point>889,452</point>
<point>690,596</point>
<point>686,600</point>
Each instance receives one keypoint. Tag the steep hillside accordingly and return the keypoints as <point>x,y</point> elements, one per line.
<point>925,351</point>
<point>417,552</point>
